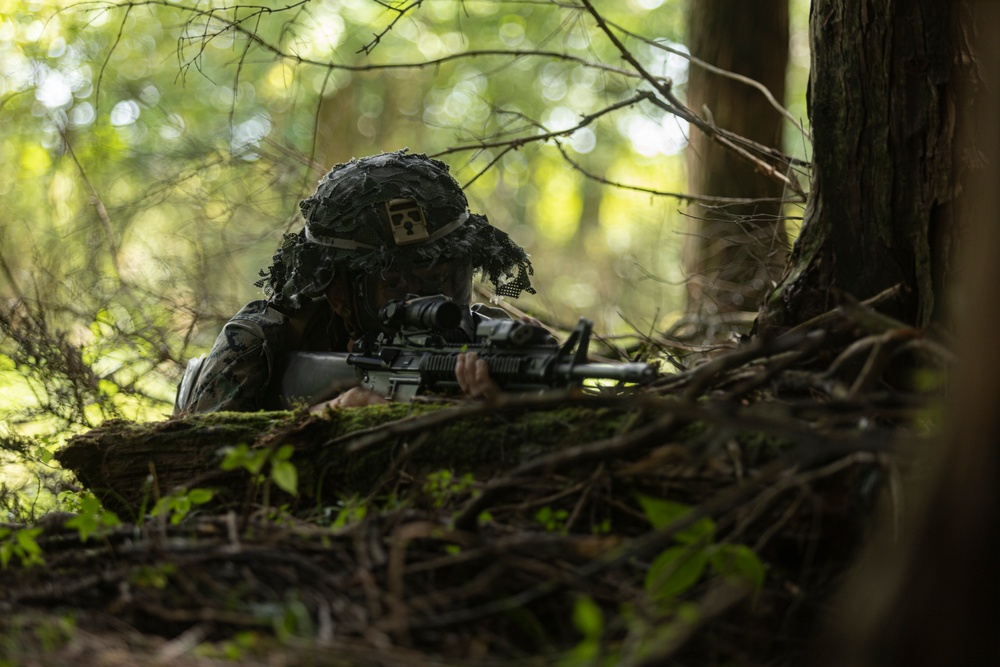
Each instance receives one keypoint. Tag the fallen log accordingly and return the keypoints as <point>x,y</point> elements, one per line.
<point>337,454</point>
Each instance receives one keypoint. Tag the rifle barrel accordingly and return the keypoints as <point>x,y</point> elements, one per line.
<point>625,372</point>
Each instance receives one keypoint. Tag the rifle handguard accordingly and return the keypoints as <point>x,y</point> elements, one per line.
<point>520,356</point>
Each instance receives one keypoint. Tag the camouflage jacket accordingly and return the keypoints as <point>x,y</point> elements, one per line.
<point>238,372</point>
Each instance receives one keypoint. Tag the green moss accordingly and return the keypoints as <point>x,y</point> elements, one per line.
<point>363,418</point>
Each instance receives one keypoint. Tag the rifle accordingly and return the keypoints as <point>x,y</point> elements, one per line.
<point>417,351</point>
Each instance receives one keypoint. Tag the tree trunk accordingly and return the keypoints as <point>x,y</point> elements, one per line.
<point>734,254</point>
<point>932,596</point>
<point>882,112</point>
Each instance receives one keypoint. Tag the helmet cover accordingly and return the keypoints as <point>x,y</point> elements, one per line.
<point>389,211</point>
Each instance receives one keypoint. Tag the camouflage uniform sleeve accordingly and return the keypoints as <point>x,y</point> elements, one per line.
<point>238,370</point>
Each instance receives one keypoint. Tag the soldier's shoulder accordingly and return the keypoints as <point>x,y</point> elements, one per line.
<point>255,324</point>
<point>262,313</point>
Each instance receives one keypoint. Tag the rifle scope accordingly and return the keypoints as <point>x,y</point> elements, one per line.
<point>425,312</point>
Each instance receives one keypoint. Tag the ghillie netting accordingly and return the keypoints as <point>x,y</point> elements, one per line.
<point>707,518</point>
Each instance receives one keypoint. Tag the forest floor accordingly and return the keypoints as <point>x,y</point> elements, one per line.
<point>706,519</point>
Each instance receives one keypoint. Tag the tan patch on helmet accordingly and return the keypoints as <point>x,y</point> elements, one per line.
<point>407,222</point>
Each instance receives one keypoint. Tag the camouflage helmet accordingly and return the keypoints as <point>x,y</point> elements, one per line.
<point>389,211</point>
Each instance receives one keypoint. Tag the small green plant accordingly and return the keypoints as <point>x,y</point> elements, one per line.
<point>552,520</point>
<point>20,542</point>
<point>152,576</point>
<point>350,510</point>
<point>53,633</point>
<point>442,486</point>
<point>589,621</point>
<point>180,502</point>
<point>602,527</point>
<point>294,619</point>
<point>282,471</point>
<point>241,456</point>
<point>680,567</point>
<point>233,649</point>
<point>91,518</point>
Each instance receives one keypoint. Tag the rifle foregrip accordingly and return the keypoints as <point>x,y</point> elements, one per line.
<point>442,366</point>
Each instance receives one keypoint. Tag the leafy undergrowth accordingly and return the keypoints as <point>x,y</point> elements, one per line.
<point>708,523</point>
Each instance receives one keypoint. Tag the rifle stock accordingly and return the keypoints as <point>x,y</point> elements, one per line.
<point>313,377</point>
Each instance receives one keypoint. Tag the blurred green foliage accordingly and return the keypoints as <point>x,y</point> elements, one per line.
<point>152,154</point>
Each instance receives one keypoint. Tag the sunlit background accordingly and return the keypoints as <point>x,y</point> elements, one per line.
<point>152,154</point>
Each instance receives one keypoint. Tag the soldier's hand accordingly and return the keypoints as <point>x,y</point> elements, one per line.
<point>352,398</point>
<point>473,375</point>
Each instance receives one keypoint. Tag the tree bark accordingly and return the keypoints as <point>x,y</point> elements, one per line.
<point>932,596</point>
<point>882,112</point>
<point>734,254</point>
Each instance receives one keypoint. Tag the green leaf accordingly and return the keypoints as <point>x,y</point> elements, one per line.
<point>28,549</point>
<point>85,525</point>
<point>675,571</point>
<point>285,476</point>
<point>738,561</point>
<point>588,617</point>
<point>162,507</point>
<point>351,514</point>
<point>663,513</point>
<point>89,518</point>
<point>26,540</point>
<point>90,505</point>
<point>233,457</point>
<point>200,496</point>
<point>242,456</point>
<point>180,506</point>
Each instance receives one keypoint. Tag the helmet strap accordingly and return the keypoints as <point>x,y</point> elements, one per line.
<point>340,294</point>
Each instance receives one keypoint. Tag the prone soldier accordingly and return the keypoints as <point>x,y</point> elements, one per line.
<point>377,229</point>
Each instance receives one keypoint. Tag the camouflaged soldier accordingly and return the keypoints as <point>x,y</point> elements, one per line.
<point>376,229</point>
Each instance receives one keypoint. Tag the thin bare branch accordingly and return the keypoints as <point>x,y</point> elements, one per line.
<point>517,142</point>
<point>671,104</point>
<point>680,196</point>
<point>400,13</point>
<point>98,204</point>
<point>753,83</point>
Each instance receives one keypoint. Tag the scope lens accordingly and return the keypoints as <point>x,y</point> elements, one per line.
<point>430,312</point>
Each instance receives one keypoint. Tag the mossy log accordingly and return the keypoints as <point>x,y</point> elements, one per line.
<point>338,454</point>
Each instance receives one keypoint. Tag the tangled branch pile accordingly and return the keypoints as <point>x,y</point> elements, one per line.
<point>706,518</point>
